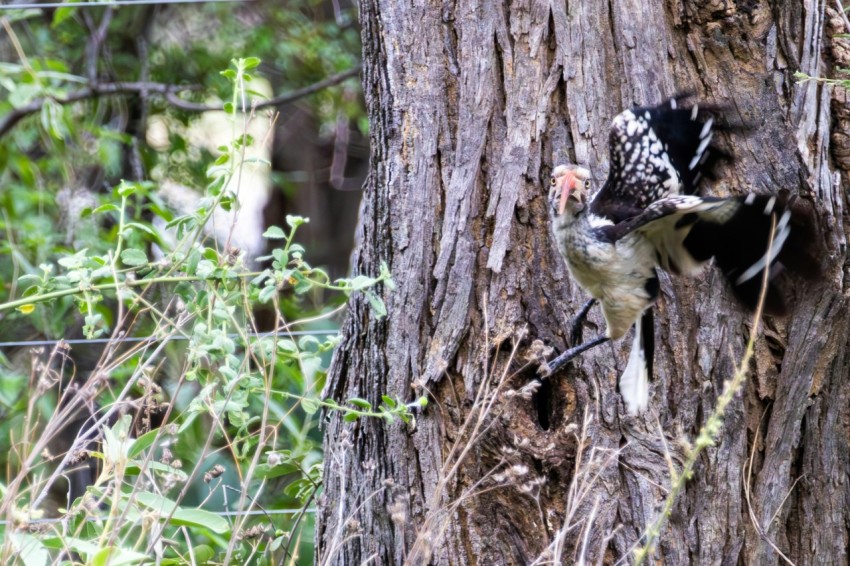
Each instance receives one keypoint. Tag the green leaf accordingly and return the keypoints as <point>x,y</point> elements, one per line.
<point>389,401</point>
<point>361,403</point>
<point>144,441</point>
<point>109,207</point>
<point>267,293</point>
<point>74,261</point>
<point>274,233</point>
<point>250,63</point>
<point>116,441</point>
<point>52,119</point>
<point>29,549</point>
<point>134,468</point>
<point>126,189</point>
<point>360,282</point>
<point>310,406</point>
<point>302,286</point>
<point>141,227</point>
<point>134,257</point>
<point>200,518</point>
<point>205,268</point>
<point>76,544</point>
<point>280,256</point>
<point>115,556</point>
<point>201,553</point>
<point>296,221</point>
<point>182,516</point>
<point>266,472</point>
<point>376,303</point>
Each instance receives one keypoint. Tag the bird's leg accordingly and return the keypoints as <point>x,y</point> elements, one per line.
<point>578,320</point>
<point>566,356</point>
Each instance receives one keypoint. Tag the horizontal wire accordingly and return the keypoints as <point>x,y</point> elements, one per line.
<point>221,513</point>
<point>129,339</point>
<point>113,3</point>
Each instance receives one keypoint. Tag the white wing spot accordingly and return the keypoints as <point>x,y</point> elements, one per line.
<point>694,162</point>
<point>673,103</point>
<point>783,222</point>
<point>706,127</point>
<point>751,198</point>
<point>782,233</point>
<point>694,112</point>
<point>700,150</point>
<point>769,206</point>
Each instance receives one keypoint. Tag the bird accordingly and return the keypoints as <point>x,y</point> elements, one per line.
<point>648,215</point>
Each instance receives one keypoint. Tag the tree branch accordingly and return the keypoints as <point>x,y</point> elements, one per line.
<point>98,35</point>
<point>169,92</point>
<point>281,100</point>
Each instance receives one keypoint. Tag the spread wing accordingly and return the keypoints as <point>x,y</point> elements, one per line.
<point>688,230</point>
<point>656,152</point>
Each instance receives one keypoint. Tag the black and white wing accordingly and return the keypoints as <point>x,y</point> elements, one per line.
<point>657,152</point>
<point>688,230</point>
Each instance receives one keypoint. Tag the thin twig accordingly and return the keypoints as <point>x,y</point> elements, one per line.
<point>748,473</point>
<point>96,39</point>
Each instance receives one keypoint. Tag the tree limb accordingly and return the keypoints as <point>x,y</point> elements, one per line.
<point>169,92</point>
<point>281,100</point>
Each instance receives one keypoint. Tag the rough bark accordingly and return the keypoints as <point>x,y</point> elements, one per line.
<point>471,105</point>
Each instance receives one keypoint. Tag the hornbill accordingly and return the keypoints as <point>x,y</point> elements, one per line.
<point>648,215</point>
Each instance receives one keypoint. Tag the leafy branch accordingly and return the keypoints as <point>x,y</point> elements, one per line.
<point>389,409</point>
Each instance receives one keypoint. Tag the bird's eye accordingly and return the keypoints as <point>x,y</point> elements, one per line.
<point>553,182</point>
<point>587,184</point>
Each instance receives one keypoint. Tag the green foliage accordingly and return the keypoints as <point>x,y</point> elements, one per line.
<point>221,460</point>
<point>240,416</point>
<point>843,80</point>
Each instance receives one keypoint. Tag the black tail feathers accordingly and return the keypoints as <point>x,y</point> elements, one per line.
<point>740,248</point>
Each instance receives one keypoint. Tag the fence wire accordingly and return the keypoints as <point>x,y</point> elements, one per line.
<point>269,512</point>
<point>137,339</point>
<point>114,3</point>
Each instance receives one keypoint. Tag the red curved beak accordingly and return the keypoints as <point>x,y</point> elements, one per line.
<point>568,183</point>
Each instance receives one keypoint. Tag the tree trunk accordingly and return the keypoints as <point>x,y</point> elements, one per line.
<point>471,105</point>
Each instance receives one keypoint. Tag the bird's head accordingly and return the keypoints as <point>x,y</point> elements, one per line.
<point>568,190</point>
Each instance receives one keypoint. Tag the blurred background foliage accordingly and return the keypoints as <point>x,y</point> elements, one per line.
<point>91,96</point>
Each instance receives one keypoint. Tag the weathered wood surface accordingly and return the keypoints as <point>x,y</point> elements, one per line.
<point>471,105</point>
